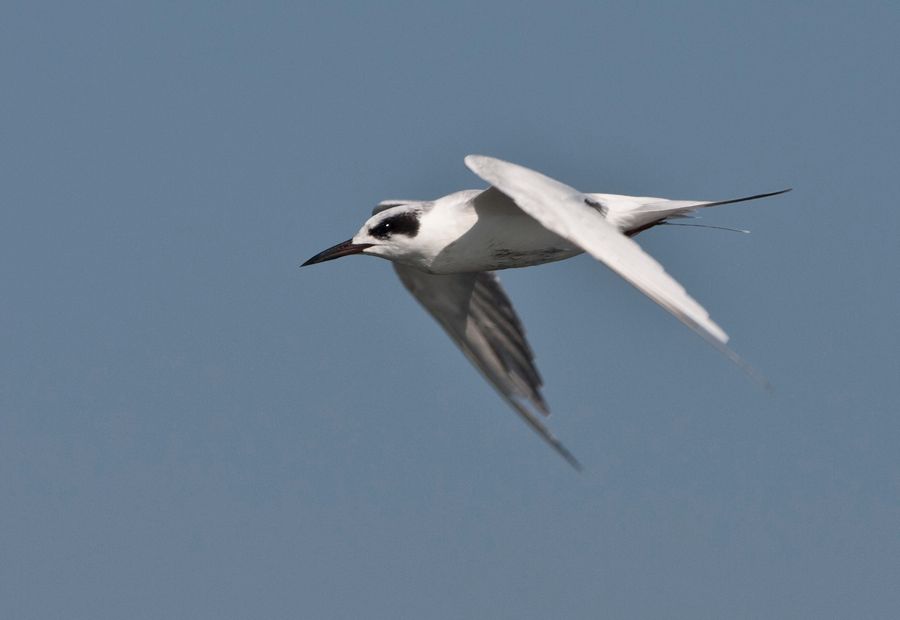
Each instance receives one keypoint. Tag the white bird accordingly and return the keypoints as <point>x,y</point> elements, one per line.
<point>445,251</point>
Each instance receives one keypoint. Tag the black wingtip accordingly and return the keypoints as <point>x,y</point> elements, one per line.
<point>545,434</point>
<point>568,456</point>
<point>571,460</point>
<point>562,450</point>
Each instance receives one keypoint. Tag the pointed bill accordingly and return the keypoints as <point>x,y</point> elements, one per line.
<point>344,248</point>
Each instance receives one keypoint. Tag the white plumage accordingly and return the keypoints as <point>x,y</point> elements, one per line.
<point>445,250</point>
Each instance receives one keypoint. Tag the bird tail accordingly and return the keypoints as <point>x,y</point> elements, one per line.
<point>719,203</point>
<point>634,214</point>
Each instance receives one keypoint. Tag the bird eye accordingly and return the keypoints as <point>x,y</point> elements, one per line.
<point>402,224</point>
<point>382,231</point>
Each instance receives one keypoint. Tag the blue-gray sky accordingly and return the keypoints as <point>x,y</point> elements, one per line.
<point>191,427</point>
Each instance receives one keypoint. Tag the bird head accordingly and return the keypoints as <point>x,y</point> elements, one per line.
<point>390,233</point>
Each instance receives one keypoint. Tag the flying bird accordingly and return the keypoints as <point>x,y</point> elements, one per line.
<point>446,250</point>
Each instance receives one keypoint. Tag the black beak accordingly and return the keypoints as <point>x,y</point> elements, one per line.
<point>342,249</point>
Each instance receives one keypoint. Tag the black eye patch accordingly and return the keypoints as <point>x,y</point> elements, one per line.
<point>402,224</point>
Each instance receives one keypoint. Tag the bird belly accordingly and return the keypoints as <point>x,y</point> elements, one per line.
<point>489,246</point>
<point>506,258</point>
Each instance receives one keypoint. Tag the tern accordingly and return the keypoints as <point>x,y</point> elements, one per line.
<point>446,250</point>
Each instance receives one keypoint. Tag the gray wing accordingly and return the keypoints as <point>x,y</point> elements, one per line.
<point>477,315</point>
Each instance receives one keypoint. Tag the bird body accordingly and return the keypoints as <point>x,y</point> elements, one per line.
<point>446,250</point>
<point>474,230</point>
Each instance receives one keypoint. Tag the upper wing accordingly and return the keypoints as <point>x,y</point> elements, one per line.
<point>571,215</point>
<point>477,315</point>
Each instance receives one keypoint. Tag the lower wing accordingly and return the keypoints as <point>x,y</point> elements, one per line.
<point>476,313</point>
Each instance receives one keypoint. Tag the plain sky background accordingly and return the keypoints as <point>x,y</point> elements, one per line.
<point>192,427</point>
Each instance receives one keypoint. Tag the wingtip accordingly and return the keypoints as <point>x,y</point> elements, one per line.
<point>575,463</point>
<point>482,164</point>
<point>755,375</point>
<point>563,451</point>
<point>475,162</point>
<point>544,433</point>
<point>558,446</point>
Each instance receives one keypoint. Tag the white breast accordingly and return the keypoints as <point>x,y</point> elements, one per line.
<point>470,233</point>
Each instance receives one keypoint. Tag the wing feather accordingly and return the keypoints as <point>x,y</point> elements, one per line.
<point>478,316</point>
